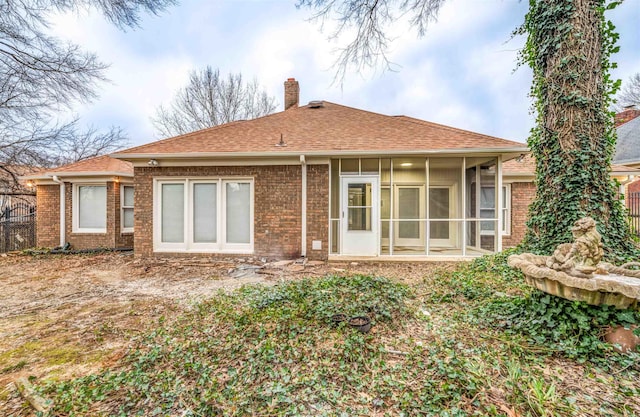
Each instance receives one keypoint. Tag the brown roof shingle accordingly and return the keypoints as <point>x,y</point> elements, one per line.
<point>326,129</point>
<point>100,165</point>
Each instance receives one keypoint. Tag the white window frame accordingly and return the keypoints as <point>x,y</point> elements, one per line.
<point>75,208</point>
<point>506,224</point>
<point>220,246</point>
<point>124,229</point>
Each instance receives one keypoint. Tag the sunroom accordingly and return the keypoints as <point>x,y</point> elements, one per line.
<point>417,206</point>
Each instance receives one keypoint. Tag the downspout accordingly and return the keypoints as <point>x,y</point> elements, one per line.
<point>303,250</point>
<point>498,204</point>
<point>62,209</point>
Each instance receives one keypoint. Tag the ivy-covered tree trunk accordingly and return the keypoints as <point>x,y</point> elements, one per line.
<point>568,47</point>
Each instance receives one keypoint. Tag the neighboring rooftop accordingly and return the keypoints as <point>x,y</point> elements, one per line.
<point>526,166</point>
<point>325,128</point>
<point>629,113</point>
<point>628,143</point>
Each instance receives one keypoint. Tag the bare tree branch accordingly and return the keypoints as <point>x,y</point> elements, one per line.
<point>41,75</point>
<point>369,20</point>
<point>209,100</point>
<point>630,93</point>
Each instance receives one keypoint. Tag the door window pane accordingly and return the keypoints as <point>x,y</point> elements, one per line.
<point>205,213</point>
<point>92,207</point>
<point>359,206</point>
<point>172,209</point>
<point>360,218</point>
<point>359,195</point>
<point>238,213</point>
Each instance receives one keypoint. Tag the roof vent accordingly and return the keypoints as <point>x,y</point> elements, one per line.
<point>282,142</point>
<point>316,104</point>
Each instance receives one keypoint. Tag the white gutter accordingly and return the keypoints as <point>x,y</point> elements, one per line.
<point>303,250</point>
<point>63,226</point>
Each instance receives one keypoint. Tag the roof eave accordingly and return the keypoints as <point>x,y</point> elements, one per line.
<point>49,175</point>
<point>280,154</point>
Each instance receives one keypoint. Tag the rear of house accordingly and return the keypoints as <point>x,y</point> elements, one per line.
<point>320,181</point>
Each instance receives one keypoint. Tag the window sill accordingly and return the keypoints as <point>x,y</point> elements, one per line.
<point>204,251</point>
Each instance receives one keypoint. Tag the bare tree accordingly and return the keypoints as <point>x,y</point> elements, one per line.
<point>40,76</point>
<point>630,93</point>
<point>209,100</point>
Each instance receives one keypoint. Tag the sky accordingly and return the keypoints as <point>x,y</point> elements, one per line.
<point>462,73</point>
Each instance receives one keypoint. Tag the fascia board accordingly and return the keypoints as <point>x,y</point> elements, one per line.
<point>337,153</point>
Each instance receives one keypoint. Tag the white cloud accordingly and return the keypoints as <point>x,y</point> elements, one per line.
<point>460,73</point>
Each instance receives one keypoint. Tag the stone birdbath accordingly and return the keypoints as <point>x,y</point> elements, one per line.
<point>575,271</point>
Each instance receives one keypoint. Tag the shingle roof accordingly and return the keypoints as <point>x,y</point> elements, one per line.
<point>100,165</point>
<point>628,144</point>
<point>527,167</point>
<point>327,129</point>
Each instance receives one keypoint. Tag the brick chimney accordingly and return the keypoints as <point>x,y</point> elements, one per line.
<point>291,93</point>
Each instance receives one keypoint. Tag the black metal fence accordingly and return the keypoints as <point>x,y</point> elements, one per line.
<point>17,227</point>
<point>633,203</point>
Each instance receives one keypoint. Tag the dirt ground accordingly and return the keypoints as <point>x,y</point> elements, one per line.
<point>64,316</point>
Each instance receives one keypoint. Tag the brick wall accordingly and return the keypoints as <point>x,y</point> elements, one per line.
<point>634,187</point>
<point>48,216</point>
<point>277,206</point>
<point>318,210</point>
<point>522,194</point>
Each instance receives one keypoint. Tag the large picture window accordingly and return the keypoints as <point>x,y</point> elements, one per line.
<point>89,208</point>
<point>204,215</point>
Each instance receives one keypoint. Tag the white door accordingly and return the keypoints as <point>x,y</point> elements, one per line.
<point>360,216</point>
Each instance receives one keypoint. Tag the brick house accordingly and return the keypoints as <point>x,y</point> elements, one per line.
<point>320,181</point>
